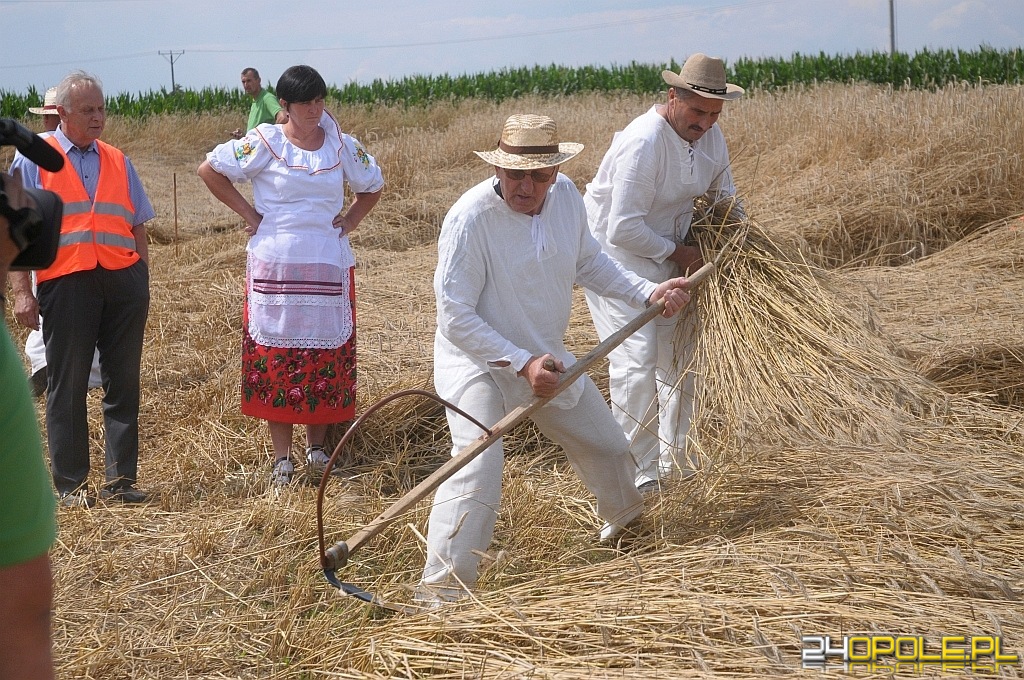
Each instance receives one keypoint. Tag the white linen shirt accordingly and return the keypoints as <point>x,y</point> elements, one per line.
<point>500,299</point>
<point>640,203</point>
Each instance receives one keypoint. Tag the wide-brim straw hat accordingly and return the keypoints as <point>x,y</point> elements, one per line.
<point>530,142</point>
<point>49,107</point>
<point>704,75</point>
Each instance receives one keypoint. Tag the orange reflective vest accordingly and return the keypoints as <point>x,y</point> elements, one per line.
<point>92,232</point>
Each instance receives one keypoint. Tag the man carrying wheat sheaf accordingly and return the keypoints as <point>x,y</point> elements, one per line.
<point>639,206</point>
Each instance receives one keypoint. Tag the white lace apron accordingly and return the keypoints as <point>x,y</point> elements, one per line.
<point>302,299</point>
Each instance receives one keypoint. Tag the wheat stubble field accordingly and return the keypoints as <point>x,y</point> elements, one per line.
<point>862,431</point>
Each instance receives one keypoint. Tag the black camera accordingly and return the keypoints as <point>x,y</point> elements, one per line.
<point>35,231</point>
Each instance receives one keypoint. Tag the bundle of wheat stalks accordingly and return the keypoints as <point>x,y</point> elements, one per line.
<point>784,360</point>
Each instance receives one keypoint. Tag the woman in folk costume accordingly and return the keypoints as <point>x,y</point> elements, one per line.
<point>298,347</point>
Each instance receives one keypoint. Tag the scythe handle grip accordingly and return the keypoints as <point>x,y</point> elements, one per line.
<point>336,556</point>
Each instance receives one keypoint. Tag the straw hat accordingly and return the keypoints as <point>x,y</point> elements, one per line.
<point>704,75</point>
<point>530,142</point>
<point>49,107</point>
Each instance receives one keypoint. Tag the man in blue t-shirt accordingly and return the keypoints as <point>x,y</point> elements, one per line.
<point>265,107</point>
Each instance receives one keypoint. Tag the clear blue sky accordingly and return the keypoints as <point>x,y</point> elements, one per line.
<point>121,41</point>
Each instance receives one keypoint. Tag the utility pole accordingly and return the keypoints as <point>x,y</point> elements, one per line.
<point>172,56</point>
<point>892,28</point>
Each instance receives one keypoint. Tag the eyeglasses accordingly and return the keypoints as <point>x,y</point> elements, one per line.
<point>536,175</point>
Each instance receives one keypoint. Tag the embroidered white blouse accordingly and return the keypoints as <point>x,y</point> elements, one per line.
<point>504,285</point>
<point>298,263</point>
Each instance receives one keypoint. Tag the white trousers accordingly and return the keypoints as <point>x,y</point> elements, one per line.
<point>35,350</point>
<point>466,505</point>
<point>651,391</point>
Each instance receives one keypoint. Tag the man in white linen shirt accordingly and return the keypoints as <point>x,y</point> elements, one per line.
<point>510,250</point>
<point>640,205</point>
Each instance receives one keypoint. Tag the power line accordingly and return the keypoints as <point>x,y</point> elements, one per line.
<point>514,36</point>
<point>667,16</point>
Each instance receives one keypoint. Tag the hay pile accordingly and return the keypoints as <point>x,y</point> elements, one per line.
<point>956,315</point>
<point>847,487</point>
<point>867,176</point>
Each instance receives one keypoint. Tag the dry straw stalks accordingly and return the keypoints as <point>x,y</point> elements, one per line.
<point>860,428</point>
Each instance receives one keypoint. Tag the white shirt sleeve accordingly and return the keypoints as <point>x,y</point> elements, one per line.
<point>633,191</point>
<point>458,282</point>
<point>600,273</point>
<point>723,191</point>
<point>361,170</point>
<point>241,159</point>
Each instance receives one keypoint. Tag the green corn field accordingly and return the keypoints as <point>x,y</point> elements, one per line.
<point>925,69</point>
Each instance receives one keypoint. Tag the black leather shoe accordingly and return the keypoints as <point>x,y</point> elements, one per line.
<point>124,494</point>
<point>38,383</point>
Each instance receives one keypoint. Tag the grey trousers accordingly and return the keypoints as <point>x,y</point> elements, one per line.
<point>102,310</point>
<point>466,505</point>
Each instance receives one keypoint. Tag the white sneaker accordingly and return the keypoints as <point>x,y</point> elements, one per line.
<point>611,533</point>
<point>77,499</point>
<point>429,597</point>
<point>651,487</point>
<point>316,461</point>
<point>281,475</point>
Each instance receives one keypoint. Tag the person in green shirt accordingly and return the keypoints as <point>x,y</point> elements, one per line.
<point>265,107</point>
<point>28,523</point>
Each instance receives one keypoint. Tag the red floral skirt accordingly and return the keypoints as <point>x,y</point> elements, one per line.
<point>297,385</point>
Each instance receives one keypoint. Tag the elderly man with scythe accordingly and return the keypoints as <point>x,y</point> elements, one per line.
<point>510,250</point>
